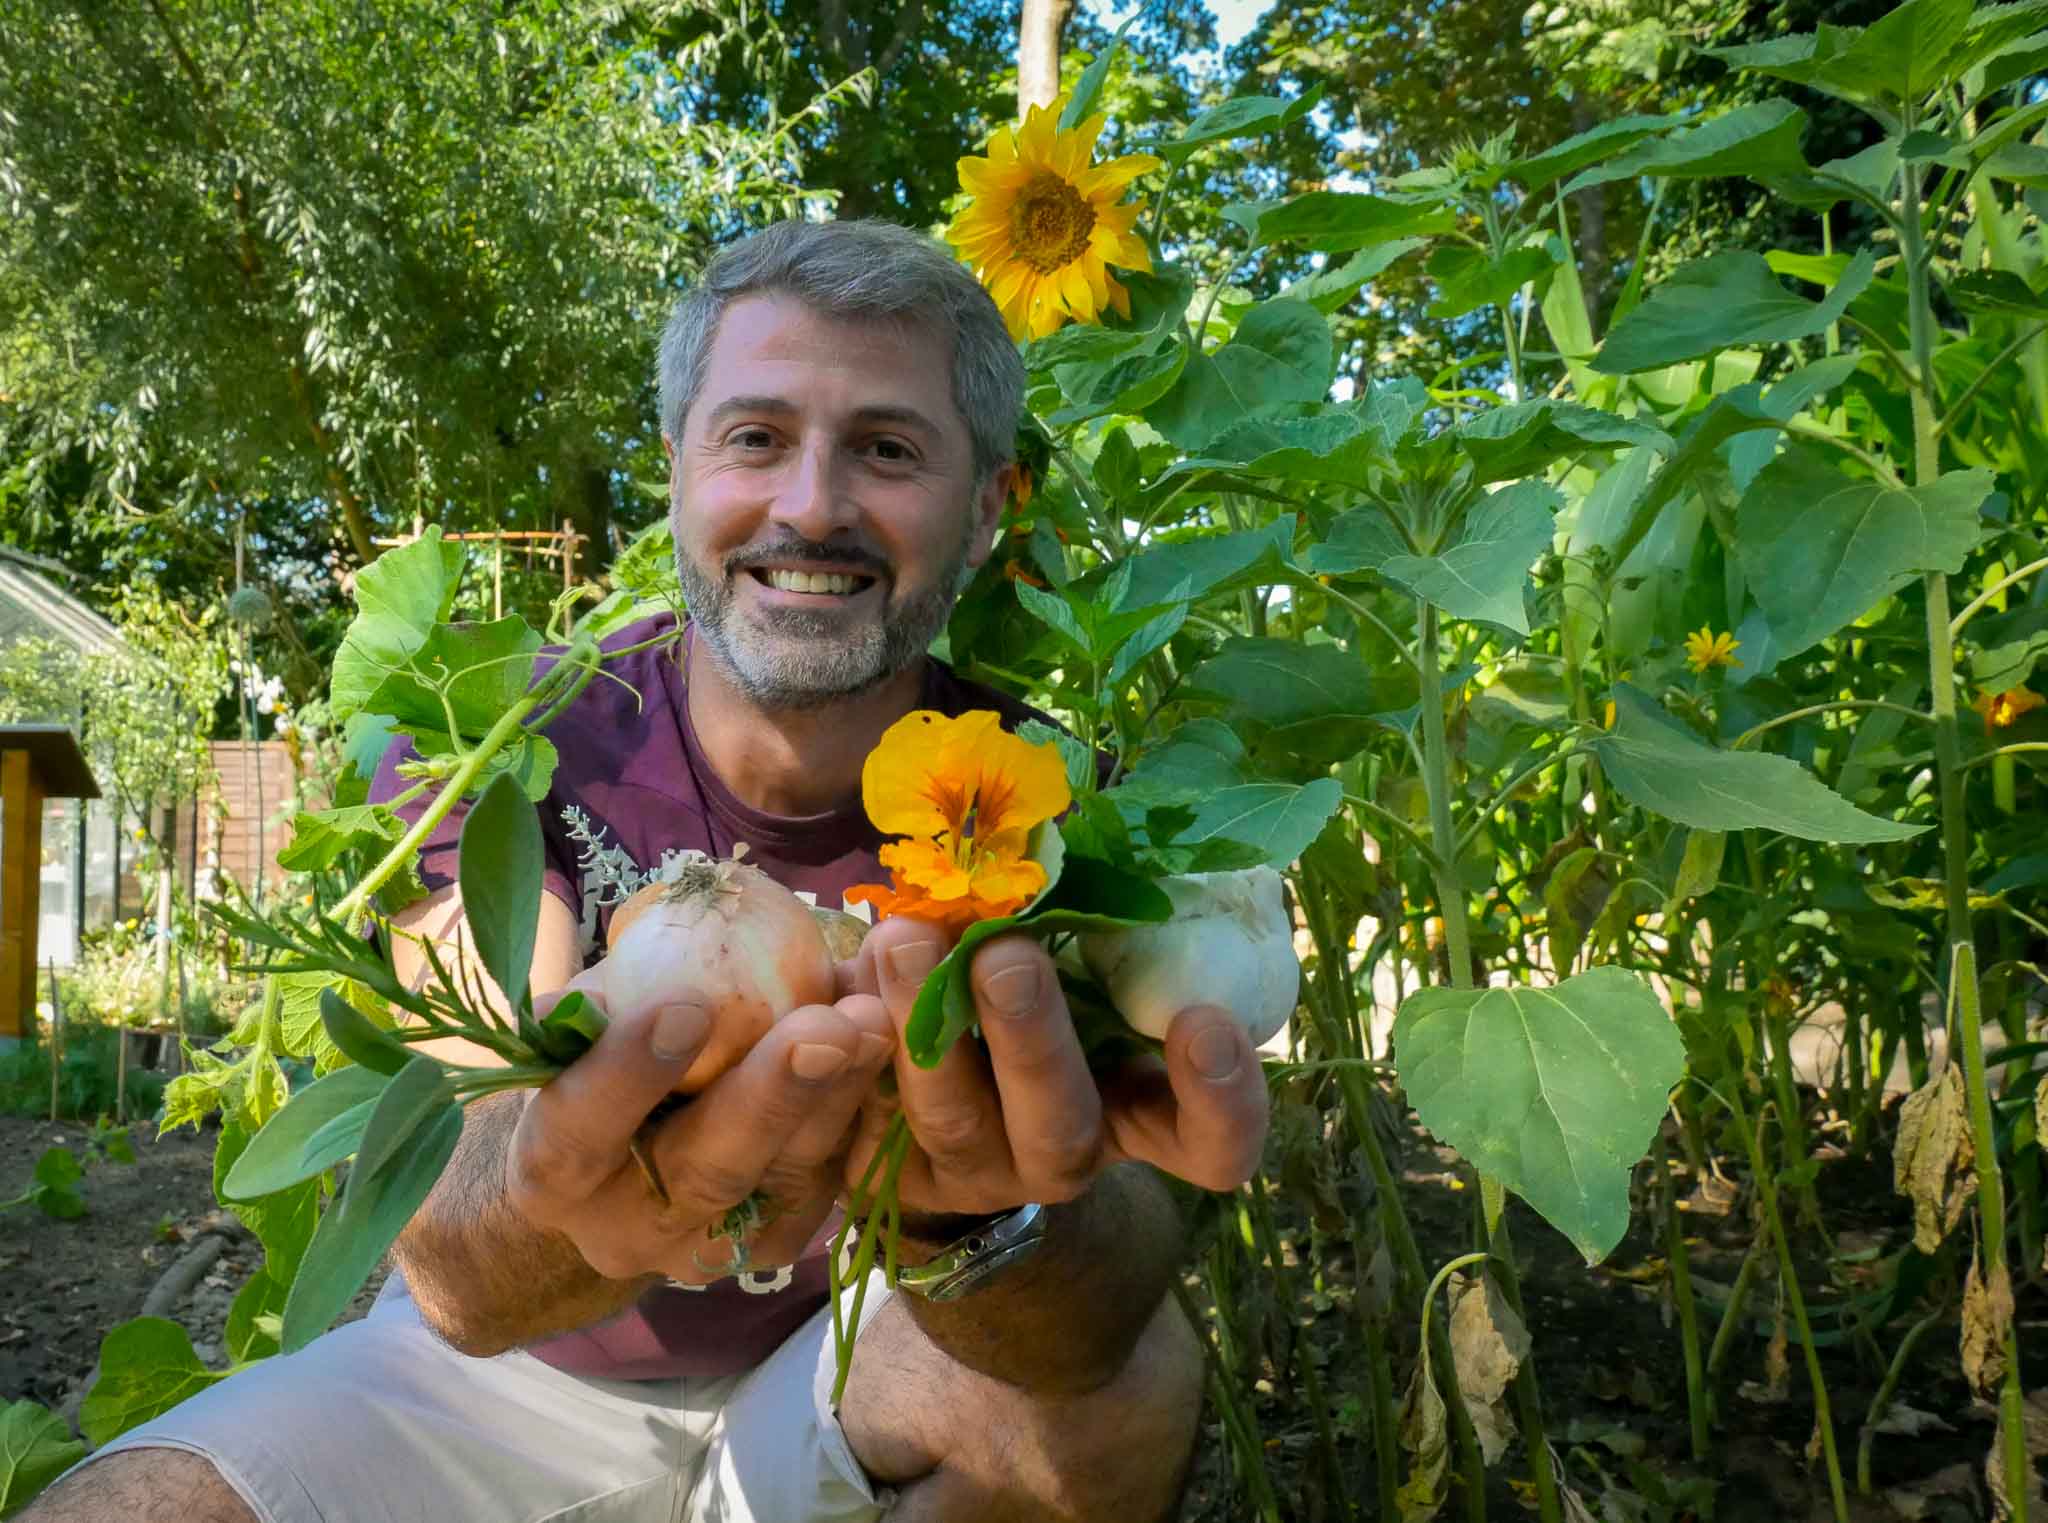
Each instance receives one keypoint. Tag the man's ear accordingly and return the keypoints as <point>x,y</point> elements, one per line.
<point>988,512</point>
<point>668,448</point>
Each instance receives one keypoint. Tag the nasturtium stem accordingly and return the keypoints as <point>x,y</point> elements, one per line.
<point>1971,608</point>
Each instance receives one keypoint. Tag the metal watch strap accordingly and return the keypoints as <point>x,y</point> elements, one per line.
<point>987,1250</point>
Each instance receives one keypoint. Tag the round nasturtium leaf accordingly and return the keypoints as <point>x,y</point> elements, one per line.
<point>1554,1092</point>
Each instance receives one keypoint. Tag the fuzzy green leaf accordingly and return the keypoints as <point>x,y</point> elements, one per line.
<point>1554,1092</point>
<point>36,1447</point>
<point>147,1366</point>
<point>1481,577</point>
<point>1719,302</point>
<point>499,866</point>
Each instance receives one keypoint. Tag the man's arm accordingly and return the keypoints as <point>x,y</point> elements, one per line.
<point>543,1221</point>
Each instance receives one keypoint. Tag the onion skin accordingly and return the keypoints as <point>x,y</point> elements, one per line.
<point>1229,944</point>
<point>727,935</point>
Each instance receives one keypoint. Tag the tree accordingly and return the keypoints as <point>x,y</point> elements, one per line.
<point>377,260</point>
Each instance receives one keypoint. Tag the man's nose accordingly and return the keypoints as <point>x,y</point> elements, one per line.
<point>814,499</point>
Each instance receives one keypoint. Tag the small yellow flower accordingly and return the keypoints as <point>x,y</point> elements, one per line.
<point>1704,648</point>
<point>1044,225</point>
<point>2000,710</point>
<point>966,794</point>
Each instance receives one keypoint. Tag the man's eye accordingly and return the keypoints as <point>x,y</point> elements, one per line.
<point>752,438</point>
<point>891,451</point>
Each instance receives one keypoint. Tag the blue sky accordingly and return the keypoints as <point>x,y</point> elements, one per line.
<point>1233,17</point>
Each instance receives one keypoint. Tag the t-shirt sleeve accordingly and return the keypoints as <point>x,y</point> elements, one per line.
<point>437,863</point>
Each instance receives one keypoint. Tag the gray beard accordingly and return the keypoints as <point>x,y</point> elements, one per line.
<point>788,659</point>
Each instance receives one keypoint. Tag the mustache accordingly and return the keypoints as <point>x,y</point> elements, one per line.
<point>788,550</point>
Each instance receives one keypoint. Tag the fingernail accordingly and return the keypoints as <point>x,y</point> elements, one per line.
<point>913,960</point>
<point>1013,990</point>
<point>816,1060</point>
<point>1215,1054</point>
<point>872,1049</point>
<point>678,1032</point>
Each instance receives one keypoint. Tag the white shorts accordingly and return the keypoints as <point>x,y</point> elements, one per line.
<point>381,1422</point>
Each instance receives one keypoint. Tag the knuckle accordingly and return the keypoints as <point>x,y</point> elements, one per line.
<point>1063,1167</point>
<point>709,1182</point>
<point>951,1132</point>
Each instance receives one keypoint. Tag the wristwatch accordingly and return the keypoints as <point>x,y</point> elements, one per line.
<point>967,1261</point>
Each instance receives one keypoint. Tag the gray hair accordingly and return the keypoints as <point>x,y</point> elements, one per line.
<point>865,271</point>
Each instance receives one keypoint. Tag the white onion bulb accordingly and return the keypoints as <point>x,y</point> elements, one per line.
<point>723,934</point>
<point>1228,944</point>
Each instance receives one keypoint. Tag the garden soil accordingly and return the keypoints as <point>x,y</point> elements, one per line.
<point>1613,1380</point>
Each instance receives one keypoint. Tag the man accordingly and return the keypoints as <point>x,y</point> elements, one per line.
<point>838,402</point>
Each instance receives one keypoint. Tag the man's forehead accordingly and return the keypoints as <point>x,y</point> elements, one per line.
<point>898,361</point>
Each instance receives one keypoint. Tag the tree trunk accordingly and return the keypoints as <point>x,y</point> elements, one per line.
<point>587,503</point>
<point>1038,52</point>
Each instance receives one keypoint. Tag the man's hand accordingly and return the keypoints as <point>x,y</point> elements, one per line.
<point>1018,1117</point>
<point>778,1123</point>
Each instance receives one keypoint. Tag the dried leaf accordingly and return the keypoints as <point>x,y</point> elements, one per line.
<point>1776,1386</point>
<point>1424,1436</point>
<point>1931,1158</point>
<point>1488,1344</point>
<point>1987,1316</point>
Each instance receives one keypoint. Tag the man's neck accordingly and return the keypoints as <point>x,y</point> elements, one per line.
<point>790,761</point>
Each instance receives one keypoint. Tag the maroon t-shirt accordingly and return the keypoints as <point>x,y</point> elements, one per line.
<point>634,780</point>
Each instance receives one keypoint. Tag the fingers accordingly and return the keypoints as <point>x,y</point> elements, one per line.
<point>575,1131</point>
<point>1203,1115</point>
<point>778,1116</point>
<point>1052,1111</point>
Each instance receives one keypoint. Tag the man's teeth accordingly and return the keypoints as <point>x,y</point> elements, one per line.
<point>812,581</point>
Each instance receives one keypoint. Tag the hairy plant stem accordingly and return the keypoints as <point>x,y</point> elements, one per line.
<point>1238,1425</point>
<point>1458,944</point>
<point>1788,1278</point>
<point>1698,1407</point>
<point>1268,1239</point>
<point>1881,1403</point>
<point>1955,834</point>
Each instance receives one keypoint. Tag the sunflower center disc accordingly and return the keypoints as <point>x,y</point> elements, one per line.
<point>1050,223</point>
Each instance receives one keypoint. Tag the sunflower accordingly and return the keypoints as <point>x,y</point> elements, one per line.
<point>1044,225</point>
<point>966,793</point>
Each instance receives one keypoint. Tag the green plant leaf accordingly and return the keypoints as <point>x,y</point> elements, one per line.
<point>400,597</point>
<point>147,1366</point>
<point>1277,819</point>
<point>1996,292</point>
<point>1212,564</point>
<point>1282,352</point>
<point>1526,438</point>
<point>1540,170</point>
<point>282,1220</point>
<point>1757,140</point>
<point>1128,381</point>
<point>1469,278</point>
<point>486,668</point>
<point>1088,88</point>
<point>1668,771</point>
<point>272,1159</point>
<point>499,866</point>
<point>255,1317</point>
<point>1202,756</point>
<point>55,1190</point>
<point>1334,221</point>
<point>1151,635</point>
<point>360,1039</point>
<point>1820,548</point>
<point>1329,290</point>
<point>1333,444</point>
<point>1052,610</point>
<point>1245,116</point>
<point>36,1447</point>
<point>1719,302</point>
<point>2005,667</point>
<point>1905,53</point>
<point>1554,1092</point>
<point>357,1230</point>
<point>1284,683</point>
<point>321,838</point>
<point>1481,577</point>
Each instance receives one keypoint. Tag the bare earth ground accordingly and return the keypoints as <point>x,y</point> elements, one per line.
<point>1611,1369</point>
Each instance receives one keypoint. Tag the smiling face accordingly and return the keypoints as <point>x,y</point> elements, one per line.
<point>823,501</point>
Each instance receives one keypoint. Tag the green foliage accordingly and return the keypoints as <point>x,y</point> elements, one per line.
<point>1555,1092</point>
<point>36,1447</point>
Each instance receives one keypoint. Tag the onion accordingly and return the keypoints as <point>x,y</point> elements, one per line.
<point>727,935</point>
<point>1229,944</point>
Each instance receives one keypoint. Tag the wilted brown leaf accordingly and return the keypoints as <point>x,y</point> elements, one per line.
<point>1423,1435</point>
<point>1931,1158</point>
<point>1987,1315</point>
<point>1488,1344</point>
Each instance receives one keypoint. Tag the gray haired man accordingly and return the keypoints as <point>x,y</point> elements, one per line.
<point>838,402</point>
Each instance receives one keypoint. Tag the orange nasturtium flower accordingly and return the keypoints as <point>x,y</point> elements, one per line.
<point>1043,225</point>
<point>965,794</point>
<point>2000,710</point>
<point>1704,649</point>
